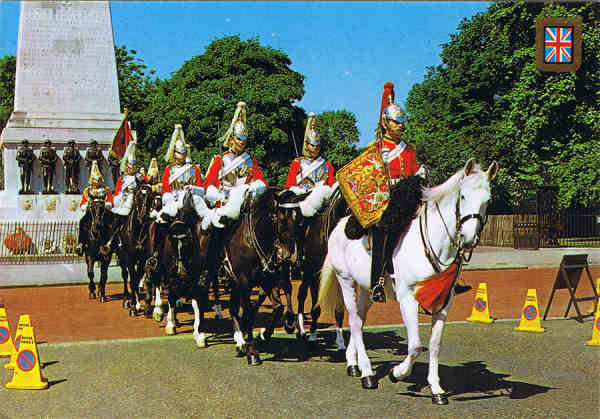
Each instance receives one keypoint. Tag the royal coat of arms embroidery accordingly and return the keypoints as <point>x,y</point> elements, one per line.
<point>364,184</point>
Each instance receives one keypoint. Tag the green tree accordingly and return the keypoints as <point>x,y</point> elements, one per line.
<point>488,100</point>
<point>202,96</point>
<point>8,66</point>
<point>136,89</point>
<point>339,136</point>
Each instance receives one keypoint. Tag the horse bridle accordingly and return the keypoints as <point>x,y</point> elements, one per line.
<point>456,242</point>
<point>96,212</point>
<point>277,244</point>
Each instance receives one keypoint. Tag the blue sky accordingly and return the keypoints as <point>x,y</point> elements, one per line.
<point>345,50</point>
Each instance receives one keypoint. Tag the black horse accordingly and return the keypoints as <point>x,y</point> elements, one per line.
<point>182,265</point>
<point>97,226</point>
<point>252,250</point>
<point>133,235</point>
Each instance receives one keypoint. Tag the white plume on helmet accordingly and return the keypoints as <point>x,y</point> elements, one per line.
<point>177,143</point>
<point>237,126</point>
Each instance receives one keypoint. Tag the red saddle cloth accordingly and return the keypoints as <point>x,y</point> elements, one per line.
<point>433,291</point>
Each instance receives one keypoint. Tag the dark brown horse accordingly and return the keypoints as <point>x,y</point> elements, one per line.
<point>312,246</point>
<point>133,234</point>
<point>97,225</point>
<point>253,250</point>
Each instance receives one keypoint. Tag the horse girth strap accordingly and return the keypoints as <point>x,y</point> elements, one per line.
<point>250,235</point>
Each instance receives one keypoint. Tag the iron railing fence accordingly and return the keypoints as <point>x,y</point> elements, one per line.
<point>33,242</point>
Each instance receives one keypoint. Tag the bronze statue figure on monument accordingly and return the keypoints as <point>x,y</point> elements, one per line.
<point>71,159</point>
<point>25,158</point>
<point>115,167</point>
<point>94,153</point>
<point>48,159</point>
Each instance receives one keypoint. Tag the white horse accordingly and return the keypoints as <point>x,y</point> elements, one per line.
<point>450,220</point>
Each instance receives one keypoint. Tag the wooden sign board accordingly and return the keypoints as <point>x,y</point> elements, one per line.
<point>568,277</point>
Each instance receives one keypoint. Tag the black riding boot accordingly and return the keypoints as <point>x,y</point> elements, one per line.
<point>378,260</point>
<point>461,288</point>
<point>82,236</point>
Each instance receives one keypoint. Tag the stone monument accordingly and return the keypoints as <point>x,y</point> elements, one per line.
<point>65,89</point>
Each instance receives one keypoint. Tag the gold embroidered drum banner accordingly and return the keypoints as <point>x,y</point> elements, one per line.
<point>364,184</point>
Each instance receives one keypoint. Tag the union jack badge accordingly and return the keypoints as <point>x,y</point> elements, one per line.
<point>558,44</point>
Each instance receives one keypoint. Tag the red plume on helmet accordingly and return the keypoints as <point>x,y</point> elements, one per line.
<point>388,93</point>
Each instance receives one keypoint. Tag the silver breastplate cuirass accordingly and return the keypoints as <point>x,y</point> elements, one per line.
<point>186,178</point>
<point>238,175</point>
<point>318,174</point>
<point>97,193</point>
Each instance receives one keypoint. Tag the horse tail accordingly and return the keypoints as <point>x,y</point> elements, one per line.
<point>330,293</point>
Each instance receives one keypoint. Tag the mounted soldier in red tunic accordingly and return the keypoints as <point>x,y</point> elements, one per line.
<point>233,175</point>
<point>96,191</point>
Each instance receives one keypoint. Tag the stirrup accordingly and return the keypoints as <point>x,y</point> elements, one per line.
<point>460,289</point>
<point>152,263</point>
<point>378,292</point>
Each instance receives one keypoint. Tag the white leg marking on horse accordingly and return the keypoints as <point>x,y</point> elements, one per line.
<point>261,334</point>
<point>339,339</point>
<point>200,338</point>
<point>239,339</point>
<point>435,345</point>
<point>170,327</point>
<point>301,324</point>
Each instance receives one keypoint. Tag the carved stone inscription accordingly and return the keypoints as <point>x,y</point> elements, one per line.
<point>66,60</point>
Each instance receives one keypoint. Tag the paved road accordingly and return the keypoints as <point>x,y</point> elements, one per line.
<point>484,258</point>
<point>490,371</point>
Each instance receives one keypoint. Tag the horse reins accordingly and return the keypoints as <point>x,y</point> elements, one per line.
<point>461,255</point>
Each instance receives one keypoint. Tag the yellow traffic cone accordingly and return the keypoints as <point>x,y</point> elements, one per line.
<point>6,344</point>
<point>530,316</point>
<point>23,321</point>
<point>597,293</point>
<point>27,374</point>
<point>480,312</point>
<point>595,340</point>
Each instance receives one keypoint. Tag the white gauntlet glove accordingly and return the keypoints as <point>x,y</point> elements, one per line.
<point>258,187</point>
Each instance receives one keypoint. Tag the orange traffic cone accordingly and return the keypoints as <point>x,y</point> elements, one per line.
<point>6,343</point>
<point>23,321</point>
<point>27,374</point>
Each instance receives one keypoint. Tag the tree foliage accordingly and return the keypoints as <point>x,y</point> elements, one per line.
<point>202,96</point>
<point>488,100</point>
<point>339,136</point>
<point>8,66</point>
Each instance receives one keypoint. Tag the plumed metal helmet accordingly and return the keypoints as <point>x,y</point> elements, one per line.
<point>237,126</point>
<point>129,156</point>
<point>95,175</point>
<point>389,110</point>
<point>177,143</point>
<point>311,136</point>
<point>153,169</point>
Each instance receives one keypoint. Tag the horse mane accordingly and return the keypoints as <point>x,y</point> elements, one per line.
<point>450,186</point>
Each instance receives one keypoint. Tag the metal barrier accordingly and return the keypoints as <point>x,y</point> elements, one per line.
<point>38,242</point>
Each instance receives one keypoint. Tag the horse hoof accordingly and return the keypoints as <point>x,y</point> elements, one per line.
<point>125,304</point>
<point>439,399</point>
<point>132,312</point>
<point>289,323</point>
<point>148,314</point>
<point>158,317</point>
<point>103,299</point>
<point>254,360</point>
<point>369,382</point>
<point>353,371</point>
<point>92,296</point>
<point>170,331</point>
<point>240,351</point>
